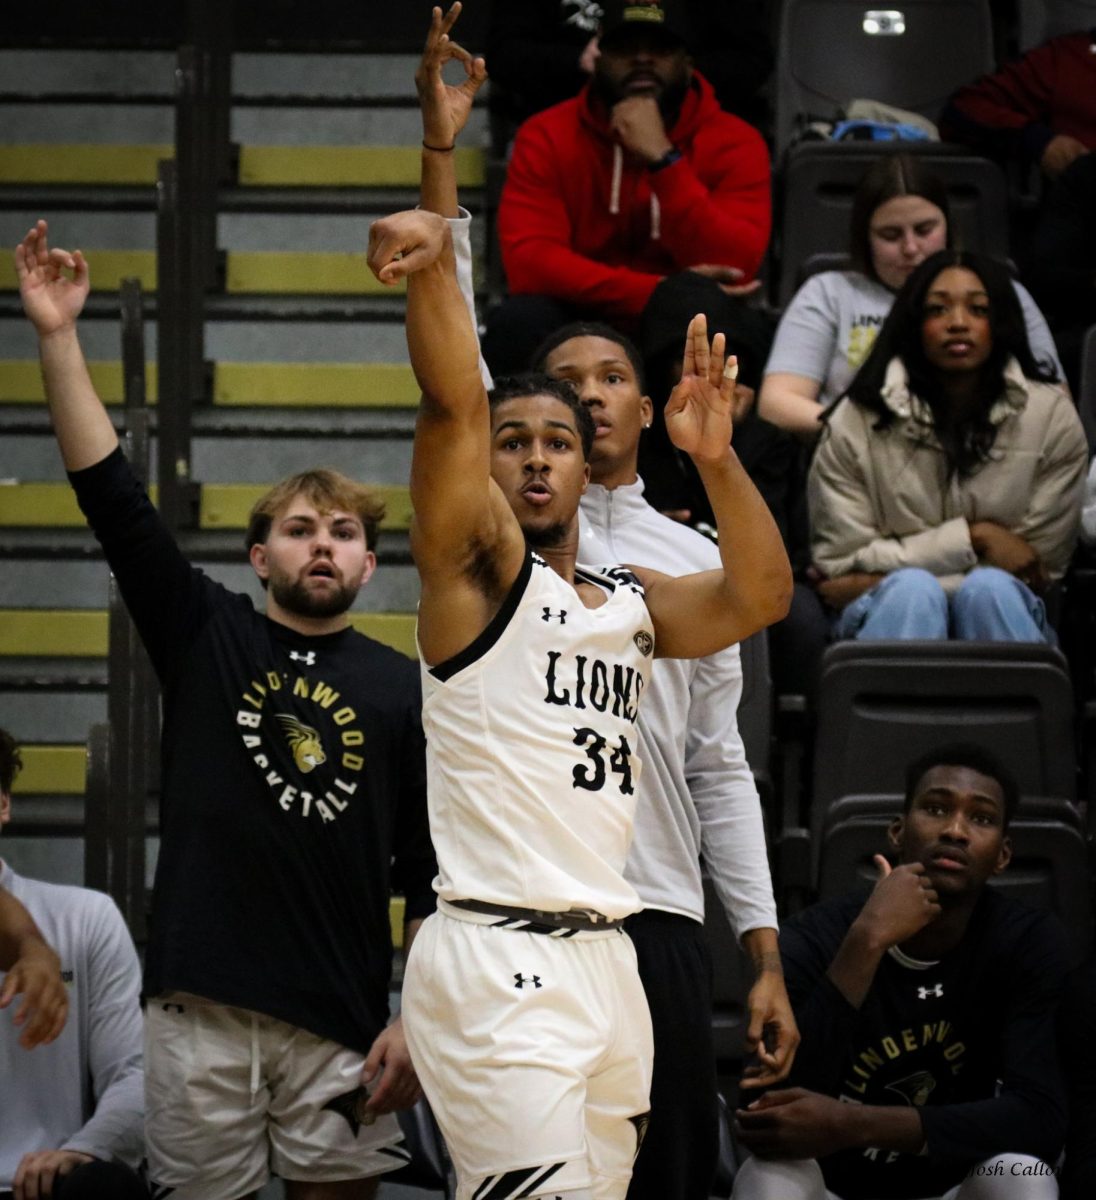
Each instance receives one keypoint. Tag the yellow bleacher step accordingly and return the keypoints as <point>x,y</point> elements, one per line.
<point>350,385</point>
<point>53,633</point>
<point>21,381</point>
<point>103,164</point>
<point>82,633</point>
<point>82,162</point>
<point>260,272</point>
<point>222,505</point>
<point>244,384</point>
<point>107,267</point>
<point>348,166</point>
<point>52,771</point>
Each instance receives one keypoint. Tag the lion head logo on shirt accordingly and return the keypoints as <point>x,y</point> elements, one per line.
<point>304,741</point>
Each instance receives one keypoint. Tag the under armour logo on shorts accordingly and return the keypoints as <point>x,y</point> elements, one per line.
<point>521,980</point>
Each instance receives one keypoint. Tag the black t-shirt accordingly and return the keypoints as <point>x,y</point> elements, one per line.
<point>968,1040</point>
<point>293,792</point>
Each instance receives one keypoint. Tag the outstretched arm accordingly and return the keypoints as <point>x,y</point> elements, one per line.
<point>53,302</point>
<point>699,614</point>
<point>462,521</point>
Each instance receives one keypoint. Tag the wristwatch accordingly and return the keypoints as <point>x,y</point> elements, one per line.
<point>668,159</point>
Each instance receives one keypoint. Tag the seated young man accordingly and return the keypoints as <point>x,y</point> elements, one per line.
<point>928,1065</point>
<point>70,1125</point>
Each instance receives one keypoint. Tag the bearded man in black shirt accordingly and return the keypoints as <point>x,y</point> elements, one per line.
<point>928,1065</point>
<point>293,799</point>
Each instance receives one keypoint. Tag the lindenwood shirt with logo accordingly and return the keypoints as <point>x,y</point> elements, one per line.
<point>293,794</point>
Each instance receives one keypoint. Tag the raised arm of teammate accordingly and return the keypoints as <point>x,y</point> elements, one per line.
<point>53,302</point>
<point>698,614</point>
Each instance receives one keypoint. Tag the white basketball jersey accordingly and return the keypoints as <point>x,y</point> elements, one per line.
<point>531,745</point>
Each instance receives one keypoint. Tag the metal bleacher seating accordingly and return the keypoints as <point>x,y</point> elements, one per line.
<point>912,56</point>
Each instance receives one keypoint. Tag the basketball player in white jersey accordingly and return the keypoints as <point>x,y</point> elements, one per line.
<point>525,1016</point>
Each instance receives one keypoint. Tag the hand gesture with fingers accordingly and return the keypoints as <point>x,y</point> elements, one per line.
<point>699,413</point>
<point>407,242</point>
<point>902,902</point>
<point>51,299</point>
<point>445,108</point>
<point>36,977</point>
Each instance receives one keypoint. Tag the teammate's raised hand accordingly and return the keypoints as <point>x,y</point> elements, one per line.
<point>51,299</point>
<point>445,107</point>
<point>699,412</point>
<point>407,242</point>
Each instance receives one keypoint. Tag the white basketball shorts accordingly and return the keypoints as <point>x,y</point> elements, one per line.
<point>534,1052</point>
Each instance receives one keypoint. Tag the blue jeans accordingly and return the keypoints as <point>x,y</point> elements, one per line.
<point>990,606</point>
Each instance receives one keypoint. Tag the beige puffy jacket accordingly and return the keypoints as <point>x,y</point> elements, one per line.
<point>881,499</point>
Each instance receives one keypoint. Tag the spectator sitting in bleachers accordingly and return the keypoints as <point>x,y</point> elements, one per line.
<point>899,217</point>
<point>543,51</point>
<point>641,177</point>
<point>946,493</point>
<point>72,1111</point>
<point>928,1064</point>
<point>1040,109</point>
<point>1061,264</point>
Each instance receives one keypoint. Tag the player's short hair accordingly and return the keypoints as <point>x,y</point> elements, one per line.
<point>11,762</point>
<point>327,490</point>
<point>536,383</point>
<point>974,758</point>
<point>598,329</point>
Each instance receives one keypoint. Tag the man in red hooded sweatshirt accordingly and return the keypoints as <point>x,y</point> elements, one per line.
<point>639,178</point>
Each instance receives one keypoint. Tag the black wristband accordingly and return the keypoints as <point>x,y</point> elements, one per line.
<point>668,159</point>
<point>440,149</point>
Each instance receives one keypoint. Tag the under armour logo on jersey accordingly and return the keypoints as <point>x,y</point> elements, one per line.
<point>521,980</point>
<point>308,657</point>
<point>561,616</point>
<point>924,993</point>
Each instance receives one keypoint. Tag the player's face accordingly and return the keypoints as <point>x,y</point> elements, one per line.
<point>537,461</point>
<point>955,330</point>
<point>606,383</point>
<point>314,563</point>
<point>956,827</point>
<point>641,64</point>
<point>904,231</point>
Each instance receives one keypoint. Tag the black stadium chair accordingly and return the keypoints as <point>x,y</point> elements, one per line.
<point>730,983</point>
<point>1044,19</point>
<point>883,704</point>
<point>912,55</point>
<point>1049,867</point>
<point>818,181</point>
